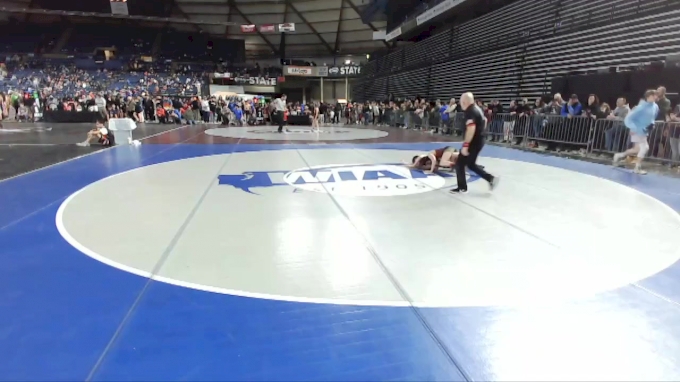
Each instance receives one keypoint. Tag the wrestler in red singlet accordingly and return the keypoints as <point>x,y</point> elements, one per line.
<point>438,153</point>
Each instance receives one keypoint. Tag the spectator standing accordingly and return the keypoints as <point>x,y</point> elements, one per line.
<point>509,125</point>
<point>605,109</point>
<point>139,110</point>
<point>664,105</point>
<point>29,102</point>
<point>592,109</point>
<point>323,109</point>
<point>149,109</point>
<point>195,109</point>
<point>444,116</point>
<point>15,101</point>
<point>617,135</point>
<point>451,110</point>
<point>100,102</point>
<point>674,137</point>
<point>130,108</point>
<point>537,118</point>
<point>524,109</point>
<point>656,129</point>
<point>205,111</point>
<point>496,127</point>
<point>212,104</point>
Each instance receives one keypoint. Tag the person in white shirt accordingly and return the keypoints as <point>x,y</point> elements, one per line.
<point>205,110</point>
<point>279,105</point>
<point>100,101</point>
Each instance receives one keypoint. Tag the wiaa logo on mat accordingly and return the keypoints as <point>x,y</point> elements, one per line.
<point>300,131</point>
<point>344,180</point>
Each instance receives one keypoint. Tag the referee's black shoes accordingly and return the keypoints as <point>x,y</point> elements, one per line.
<point>494,183</point>
<point>492,186</point>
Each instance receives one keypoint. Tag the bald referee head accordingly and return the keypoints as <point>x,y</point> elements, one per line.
<point>466,100</point>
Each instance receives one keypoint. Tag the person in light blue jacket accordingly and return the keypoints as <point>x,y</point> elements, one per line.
<point>638,122</point>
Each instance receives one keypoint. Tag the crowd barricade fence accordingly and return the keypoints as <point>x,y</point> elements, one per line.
<point>410,119</point>
<point>590,137</point>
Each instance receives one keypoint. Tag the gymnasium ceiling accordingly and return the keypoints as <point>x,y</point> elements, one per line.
<point>323,27</point>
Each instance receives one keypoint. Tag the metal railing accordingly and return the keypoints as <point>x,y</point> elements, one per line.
<point>423,120</point>
<point>586,136</point>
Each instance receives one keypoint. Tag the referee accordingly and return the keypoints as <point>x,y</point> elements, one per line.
<point>279,109</point>
<point>475,123</point>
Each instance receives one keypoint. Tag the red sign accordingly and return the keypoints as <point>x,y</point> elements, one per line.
<point>268,28</point>
<point>248,28</point>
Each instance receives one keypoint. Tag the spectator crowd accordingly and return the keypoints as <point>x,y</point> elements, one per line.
<point>555,124</point>
<point>165,93</point>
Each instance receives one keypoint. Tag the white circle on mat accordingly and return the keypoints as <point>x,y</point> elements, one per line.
<point>545,234</point>
<point>297,133</point>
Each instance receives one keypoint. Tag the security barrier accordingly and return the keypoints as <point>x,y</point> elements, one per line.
<point>589,137</point>
<point>423,120</point>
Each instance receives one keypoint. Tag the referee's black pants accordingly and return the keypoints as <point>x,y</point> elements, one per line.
<point>470,161</point>
<point>279,120</point>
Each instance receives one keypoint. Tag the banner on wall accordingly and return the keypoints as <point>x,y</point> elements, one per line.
<point>287,27</point>
<point>394,34</point>
<point>248,28</point>
<point>298,70</point>
<point>229,79</point>
<point>437,10</point>
<point>306,71</point>
<point>260,81</point>
<point>267,28</point>
<point>344,71</point>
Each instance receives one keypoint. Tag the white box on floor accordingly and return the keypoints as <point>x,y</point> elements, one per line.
<point>122,130</point>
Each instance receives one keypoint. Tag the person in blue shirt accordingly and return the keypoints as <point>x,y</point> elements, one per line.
<point>444,115</point>
<point>238,114</point>
<point>638,122</point>
<point>572,108</point>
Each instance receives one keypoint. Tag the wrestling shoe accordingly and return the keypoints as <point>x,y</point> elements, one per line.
<point>617,158</point>
<point>639,171</point>
<point>458,191</point>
